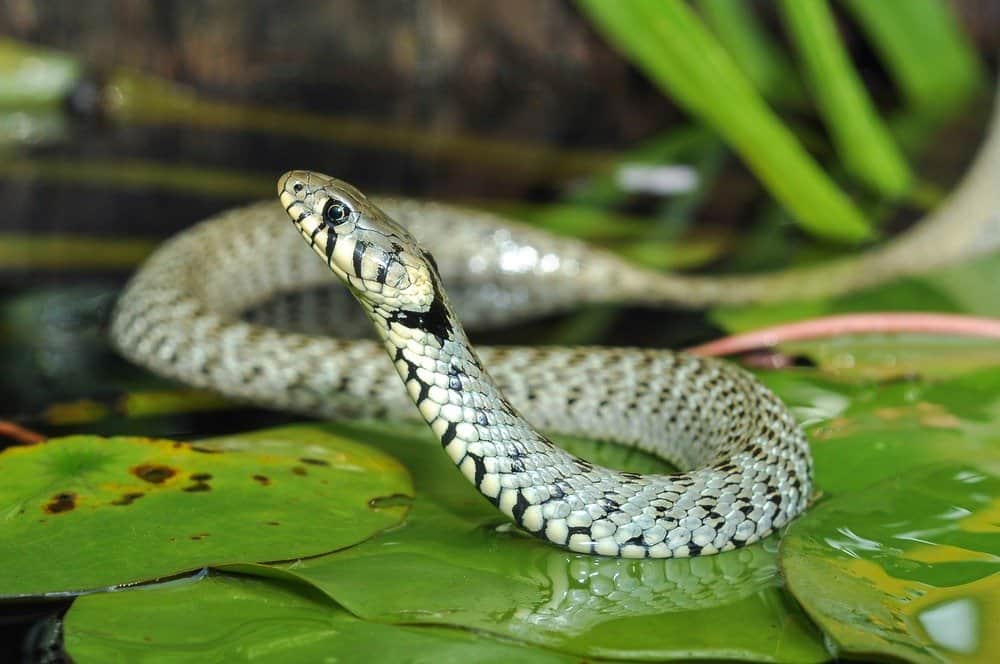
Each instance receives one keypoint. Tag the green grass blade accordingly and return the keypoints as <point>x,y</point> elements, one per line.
<point>671,45</point>
<point>936,67</point>
<point>754,51</point>
<point>864,143</point>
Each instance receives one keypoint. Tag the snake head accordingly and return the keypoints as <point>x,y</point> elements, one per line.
<point>377,258</point>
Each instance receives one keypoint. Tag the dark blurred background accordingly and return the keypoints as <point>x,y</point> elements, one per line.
<point>521,72</point>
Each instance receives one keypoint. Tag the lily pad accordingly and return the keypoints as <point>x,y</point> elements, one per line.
<point>85,513</point>
<point>455,561</point>
<point>240,618</point>
<point>864,433</point>
<point>909,568</point>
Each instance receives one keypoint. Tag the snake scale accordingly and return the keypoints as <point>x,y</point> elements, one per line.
<point>746,467</point>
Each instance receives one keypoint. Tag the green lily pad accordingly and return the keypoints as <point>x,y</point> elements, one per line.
<point>239,618</point>
<point>456,561</point>
<point>84,513</point>
<point>909,568</point>
<point>861,434</point>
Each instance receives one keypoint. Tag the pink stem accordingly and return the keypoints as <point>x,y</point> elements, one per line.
<point>868,323</point>
<point>20,434</point>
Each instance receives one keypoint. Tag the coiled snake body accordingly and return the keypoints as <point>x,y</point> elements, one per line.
<point>747,463</point>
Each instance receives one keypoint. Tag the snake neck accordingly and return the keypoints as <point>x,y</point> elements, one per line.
<point>496,449</point>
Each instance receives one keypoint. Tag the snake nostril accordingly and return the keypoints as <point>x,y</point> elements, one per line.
<point>297,187</point>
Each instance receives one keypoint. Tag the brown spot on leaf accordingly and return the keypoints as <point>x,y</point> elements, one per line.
<point>61,502</point>
<point>200,483</point>
<point>263,480</point>
<point>153,473</point>
<point>314,462</point>
<point>128,498</point>
<point>273,523</point>
<point>200,536</point>
<point>299,470</point>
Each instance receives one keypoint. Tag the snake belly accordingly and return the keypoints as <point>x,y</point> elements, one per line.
<point>746,464</point>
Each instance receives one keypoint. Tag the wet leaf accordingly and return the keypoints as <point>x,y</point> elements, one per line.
<point>908,568</point>
<point>84,513</point>
<point>462,564</point>
<point>242,618</point>
<point>896,558</point>
<point>864,433</point>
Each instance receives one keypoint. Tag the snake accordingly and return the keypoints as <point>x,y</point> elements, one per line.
<point>745,468</point>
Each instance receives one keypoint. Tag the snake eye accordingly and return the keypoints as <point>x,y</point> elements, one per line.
<point>335,212</point>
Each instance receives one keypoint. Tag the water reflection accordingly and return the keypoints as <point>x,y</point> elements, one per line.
<point>587,590</point>
<point>851,543</point>
<point>953,625</point>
